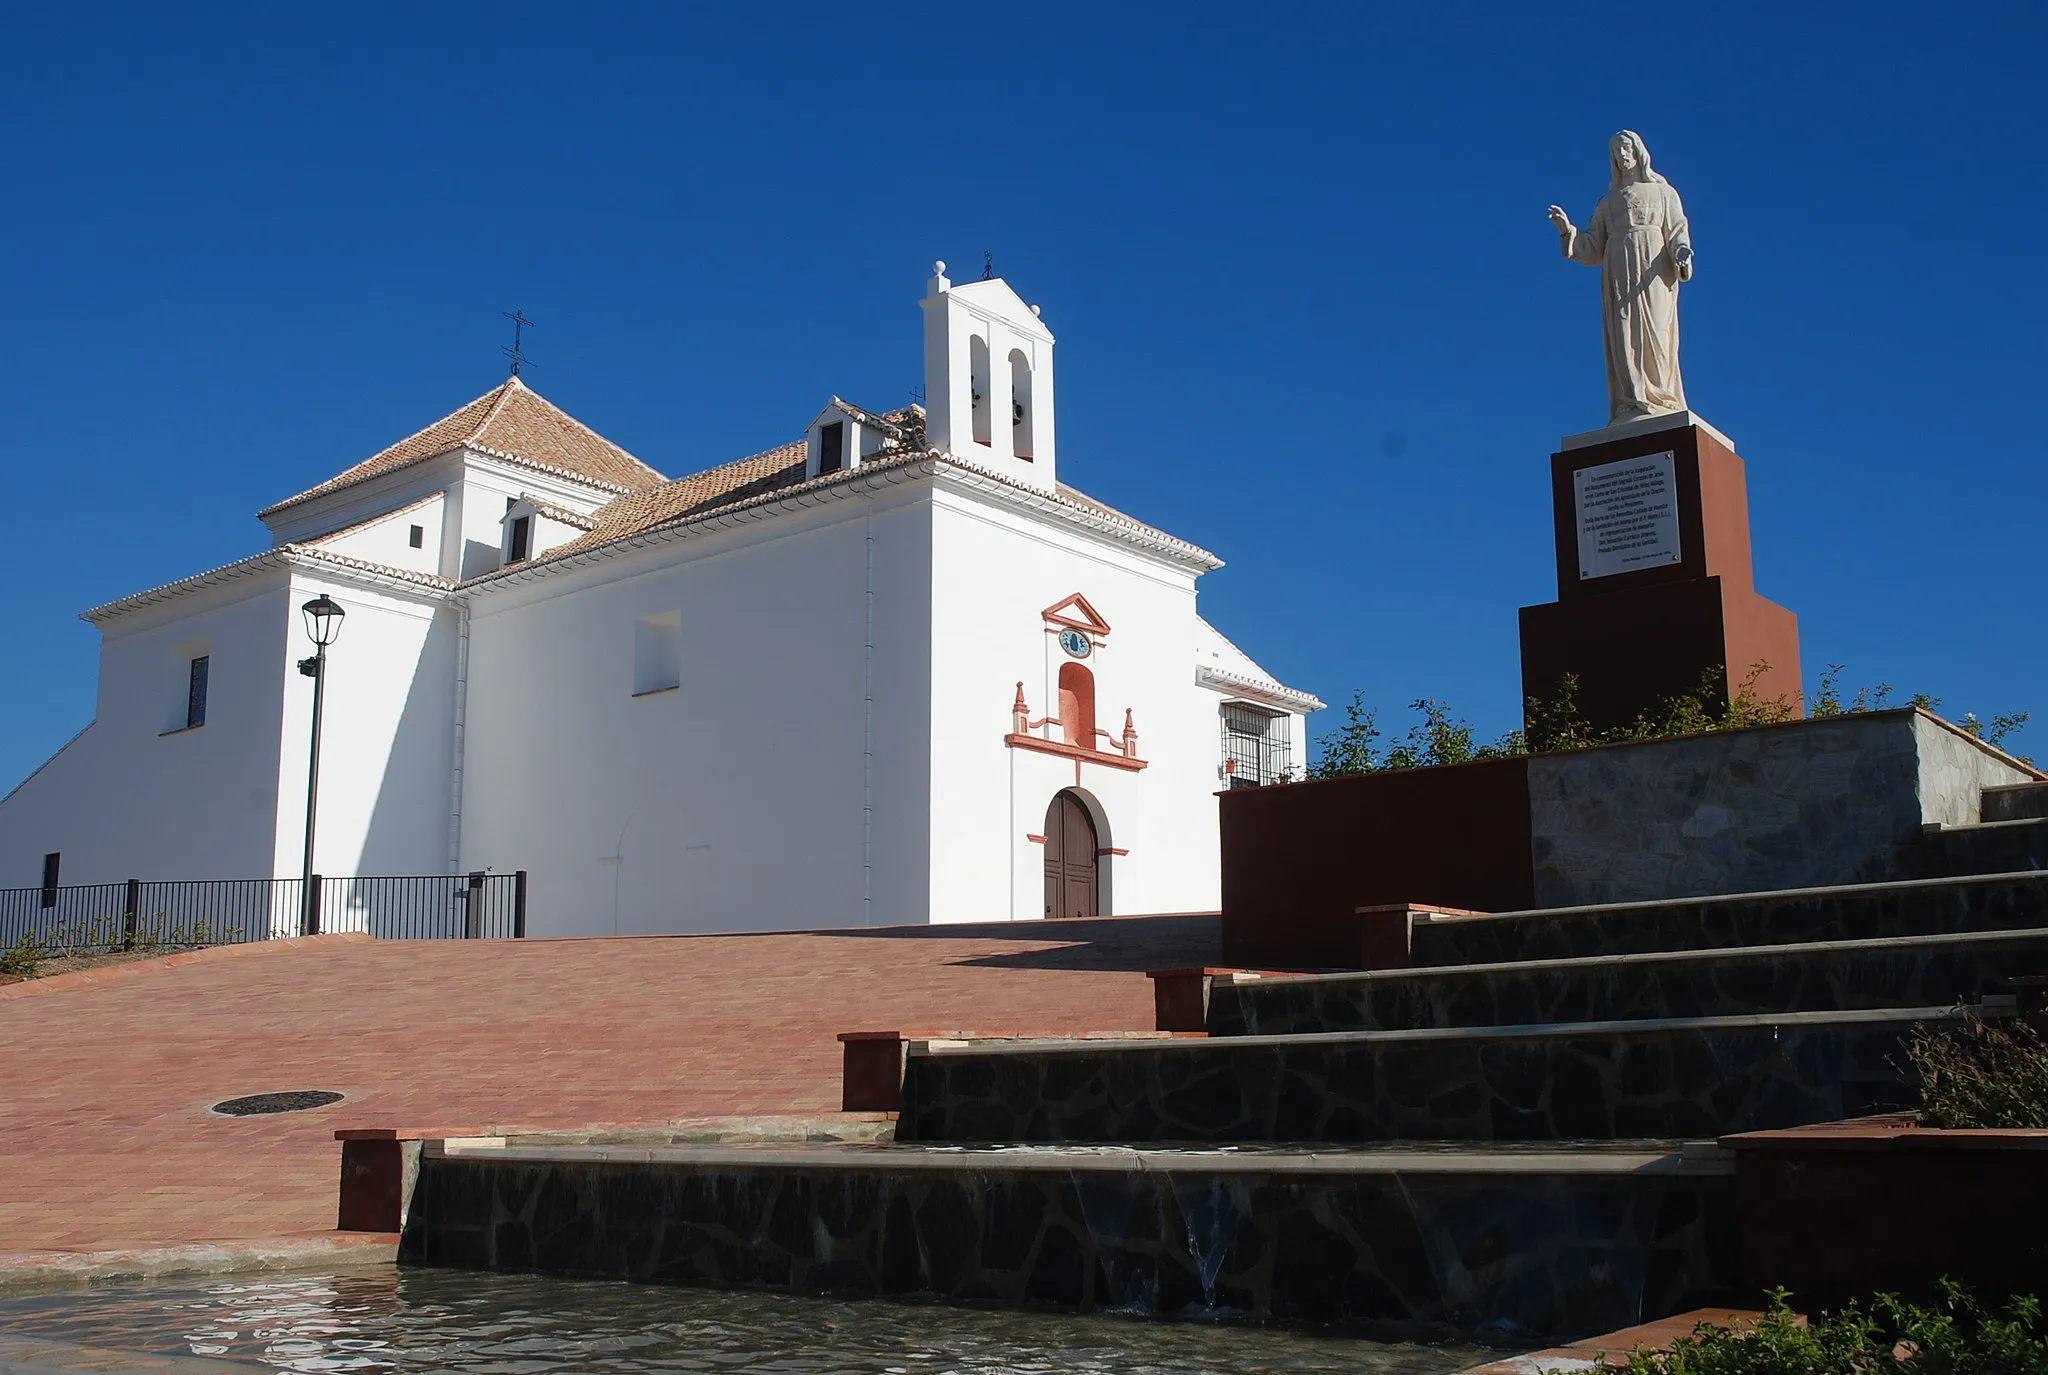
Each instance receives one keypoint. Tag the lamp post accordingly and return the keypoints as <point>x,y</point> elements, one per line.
<point>323,625</point>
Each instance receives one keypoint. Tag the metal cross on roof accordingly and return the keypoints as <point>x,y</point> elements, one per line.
<point>520,324</point>
<point>988,264</point>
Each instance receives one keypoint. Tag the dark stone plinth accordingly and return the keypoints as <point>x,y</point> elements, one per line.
<point>1851,1209</point>
<point>871,1071</point>
<point>373,1180</point>
<point>1636,639</point>
<point>1300,861</point>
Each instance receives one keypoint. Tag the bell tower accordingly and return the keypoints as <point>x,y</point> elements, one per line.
<point>988,378</point>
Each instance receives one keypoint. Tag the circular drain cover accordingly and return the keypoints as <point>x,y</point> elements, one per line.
<point>257,1104</point>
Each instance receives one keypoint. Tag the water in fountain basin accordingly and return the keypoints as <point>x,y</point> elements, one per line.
<point>417,1321</point>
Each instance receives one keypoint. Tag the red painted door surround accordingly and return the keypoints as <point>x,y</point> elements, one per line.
<point>1070,858</point>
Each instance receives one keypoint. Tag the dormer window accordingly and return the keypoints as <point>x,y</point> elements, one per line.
<point>519,543</point>
<point>831,447</point>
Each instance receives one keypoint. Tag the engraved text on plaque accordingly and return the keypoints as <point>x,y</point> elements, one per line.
<point>1628,515</point>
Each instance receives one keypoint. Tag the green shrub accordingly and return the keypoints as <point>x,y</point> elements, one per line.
<point>1559,723</point>
<point>1985,1075</point>
<point>1956,1334</point>
<point>1826,700</point>
<point>24,959</point>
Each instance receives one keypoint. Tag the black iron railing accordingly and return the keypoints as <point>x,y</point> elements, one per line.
<point>185,914</point>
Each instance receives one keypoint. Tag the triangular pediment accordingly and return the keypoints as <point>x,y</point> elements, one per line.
<point>1001,300</point>
<point>1075,613</point>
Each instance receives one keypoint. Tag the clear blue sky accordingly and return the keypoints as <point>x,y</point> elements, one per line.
<point>1310,312</point>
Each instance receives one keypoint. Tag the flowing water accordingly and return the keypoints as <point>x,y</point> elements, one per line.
<point>407,1321</point>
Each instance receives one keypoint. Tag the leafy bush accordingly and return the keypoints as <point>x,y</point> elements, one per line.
<point>1984,1075</point>
<point>24,959</point>
<point>1560,723</point>
<point>1827,701</point>
<point>1956,1334</point>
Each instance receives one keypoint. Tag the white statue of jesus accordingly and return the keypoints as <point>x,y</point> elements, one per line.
<point>1638,239</point>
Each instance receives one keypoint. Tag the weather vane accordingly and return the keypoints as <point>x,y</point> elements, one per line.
<point>988,264</point>
<point>520,324</point>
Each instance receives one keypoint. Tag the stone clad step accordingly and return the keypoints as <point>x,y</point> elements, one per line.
<point>1822,976</point>
<point>1671,1078</point>
<point>1862,911</point>
<point>1534,1239</point>
<point>1991,847</point>
<point>2015,802</point>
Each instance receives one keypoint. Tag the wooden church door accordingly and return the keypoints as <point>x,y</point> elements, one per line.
<point>1069,858</point>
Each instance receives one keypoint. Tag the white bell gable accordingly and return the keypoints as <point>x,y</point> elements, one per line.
<point>988,379</point>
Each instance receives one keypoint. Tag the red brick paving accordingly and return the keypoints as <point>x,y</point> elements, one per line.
<point>105,1141</point>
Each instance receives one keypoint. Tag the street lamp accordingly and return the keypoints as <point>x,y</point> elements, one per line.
<point>323,626</point>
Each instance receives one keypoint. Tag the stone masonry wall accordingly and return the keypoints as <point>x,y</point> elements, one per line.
<point>1533,1253</point>
<point>1836,800</point>
<point>1827,977</point>
<point>1954,772</point>
<point>2014,902</point>
<point>1663,1081</point>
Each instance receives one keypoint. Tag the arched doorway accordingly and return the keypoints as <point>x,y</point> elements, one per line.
<point>1070,874</point>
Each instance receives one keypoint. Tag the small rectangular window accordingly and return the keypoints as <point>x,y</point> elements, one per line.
<point>522,539</point>
<point>1255,746</point>
<point>51,863</point>
<point>831,447</point>
<point>195,693</point>
<point>417,536</point>
<point>657,653</point>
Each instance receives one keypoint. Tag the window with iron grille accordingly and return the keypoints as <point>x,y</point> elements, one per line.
<point>1255,745</point>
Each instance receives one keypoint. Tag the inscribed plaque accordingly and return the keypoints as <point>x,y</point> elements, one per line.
<point>1628,515</point>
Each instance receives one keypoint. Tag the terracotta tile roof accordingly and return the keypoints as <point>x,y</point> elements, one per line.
<point>561,514</point>
<point>428,500</point>
<point>694,495</point>
<point>278,556</point>
<point>780,470</point>
<point>511,421</point>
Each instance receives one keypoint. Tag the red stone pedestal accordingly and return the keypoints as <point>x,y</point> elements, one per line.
<point>1638,638</point>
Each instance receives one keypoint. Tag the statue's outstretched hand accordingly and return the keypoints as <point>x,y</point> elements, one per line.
<point>1562,221</point>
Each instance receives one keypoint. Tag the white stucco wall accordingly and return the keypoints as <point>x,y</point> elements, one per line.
<point>478,501</point>
<point>996,572</point>
<point>470,490</point>
<point>742,799</point>
<point>387,539</point>
<point>831,753</point>
<point>127,799</point>
<point>386,742</point>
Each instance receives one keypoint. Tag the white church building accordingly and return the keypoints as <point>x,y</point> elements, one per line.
<point>893,672</point>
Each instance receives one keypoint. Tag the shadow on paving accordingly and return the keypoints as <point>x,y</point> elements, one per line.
<point>1103,944</point>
